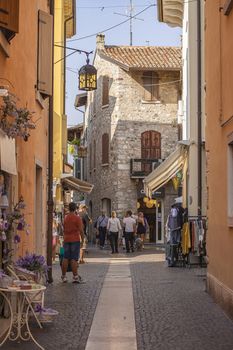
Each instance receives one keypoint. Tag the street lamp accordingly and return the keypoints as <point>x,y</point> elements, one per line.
<point>87,73</point>
<point>88,77</point>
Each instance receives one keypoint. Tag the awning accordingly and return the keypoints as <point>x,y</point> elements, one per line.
<point>7,154</point>
<point>166,171</point>
<point>171,12</point>
<point>75,184</point>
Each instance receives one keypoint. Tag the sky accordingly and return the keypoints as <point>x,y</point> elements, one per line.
<point>95,16</point>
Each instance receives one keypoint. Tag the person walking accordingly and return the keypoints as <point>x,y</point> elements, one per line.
<point>114,227</point>
<point>102,223</point>
<point>86,220</point>
<point>142,226</point>
<point>129,231</point>
<point>73,232</point>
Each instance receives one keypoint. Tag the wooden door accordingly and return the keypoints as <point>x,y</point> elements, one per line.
<point>150,148</point>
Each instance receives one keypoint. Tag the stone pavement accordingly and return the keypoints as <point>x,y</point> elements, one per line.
<point>172,309</point>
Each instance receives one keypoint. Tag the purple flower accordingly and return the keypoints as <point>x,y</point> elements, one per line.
<point>17,239</point>
<point>20,226</point>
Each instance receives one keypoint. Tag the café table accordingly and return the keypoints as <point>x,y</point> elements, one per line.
<point>20,309</point>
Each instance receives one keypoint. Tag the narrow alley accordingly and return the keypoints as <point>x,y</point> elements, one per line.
<point>133,302</point>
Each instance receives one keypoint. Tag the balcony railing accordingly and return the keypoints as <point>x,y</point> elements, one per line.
<point>141,167</point>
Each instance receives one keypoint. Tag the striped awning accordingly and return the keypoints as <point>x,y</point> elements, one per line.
<point>72,183</point>
<point>166,171</point>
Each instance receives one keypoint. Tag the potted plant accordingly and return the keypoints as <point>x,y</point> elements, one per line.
<point>15,121</point>
<point>33,263</point>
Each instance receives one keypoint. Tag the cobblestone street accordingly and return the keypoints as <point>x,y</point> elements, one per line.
<point>172,309</point>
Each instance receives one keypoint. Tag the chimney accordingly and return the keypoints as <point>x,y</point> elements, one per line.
<point>100,41</point>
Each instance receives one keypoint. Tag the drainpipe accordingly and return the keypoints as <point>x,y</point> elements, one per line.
<point>50,165</point>
<point>199,106</point>
<point>64,64</point>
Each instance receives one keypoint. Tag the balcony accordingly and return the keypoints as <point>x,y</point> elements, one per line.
<point>141,167</point>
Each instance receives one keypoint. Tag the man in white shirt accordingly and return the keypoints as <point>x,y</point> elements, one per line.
<point>129,231</point>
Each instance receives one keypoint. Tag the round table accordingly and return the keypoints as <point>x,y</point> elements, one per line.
<point>19,313</point>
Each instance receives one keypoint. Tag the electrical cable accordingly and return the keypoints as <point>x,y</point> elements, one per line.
<point>112,27</point>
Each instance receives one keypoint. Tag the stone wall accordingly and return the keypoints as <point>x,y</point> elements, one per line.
<point>125,118</point>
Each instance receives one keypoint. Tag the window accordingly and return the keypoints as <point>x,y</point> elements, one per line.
<point>230,183</point>
<point>105,148</point>
<point>150,149</point>
<point>44,68</point>
<point>9,18</point>
<point>151,87</point>
<point>106,206</point>
<point>105,90</point>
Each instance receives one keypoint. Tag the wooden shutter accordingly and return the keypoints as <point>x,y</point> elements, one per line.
<point>45,42</point>
<point>105,91</point>
<point>150,84</point>
<point>105,149</point>
<point>9,15</point>
<point>151,145</point>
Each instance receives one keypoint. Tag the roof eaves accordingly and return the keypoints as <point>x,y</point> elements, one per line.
<point>112,60</point>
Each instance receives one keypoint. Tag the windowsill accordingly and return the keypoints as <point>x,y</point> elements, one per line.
<point>230,221</point>
<point>105,106</point>
<point>105,164</point>
<point>4,45</point>
<point>151,102</point>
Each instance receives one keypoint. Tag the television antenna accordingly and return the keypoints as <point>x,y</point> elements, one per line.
<point>130,16</point>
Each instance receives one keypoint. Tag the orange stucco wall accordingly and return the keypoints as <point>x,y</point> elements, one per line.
<point>21,70</point>
<point>219,108</point>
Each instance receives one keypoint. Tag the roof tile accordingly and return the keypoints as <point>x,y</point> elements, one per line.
<point>144,57</point>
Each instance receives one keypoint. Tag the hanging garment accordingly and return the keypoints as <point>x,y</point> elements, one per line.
<point>185,241</point>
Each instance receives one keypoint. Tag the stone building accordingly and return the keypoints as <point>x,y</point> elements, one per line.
<point>130,127</point>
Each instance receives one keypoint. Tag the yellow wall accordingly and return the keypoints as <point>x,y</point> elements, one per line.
<point>62,11</point>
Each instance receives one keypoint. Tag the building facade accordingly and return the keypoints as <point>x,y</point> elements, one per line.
<point>64,28</point>
<point>190,17</point>
<point>219,148</point>
<point>131,126</point>
<point>26,75</point>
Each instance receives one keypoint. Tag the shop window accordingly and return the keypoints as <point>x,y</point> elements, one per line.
<point>105,90</point>
<point>230,183</point>
<point>9,18</point>
<point>150,85</point>
<point>105,148</point>
<point>45,43</point>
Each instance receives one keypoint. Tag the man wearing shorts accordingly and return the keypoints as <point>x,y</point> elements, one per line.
<point>73,231</point>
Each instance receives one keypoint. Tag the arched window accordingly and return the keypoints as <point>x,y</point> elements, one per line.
<point>106,206</point>
<point>105,90</point>
<point>151,144</point>
<point>151,87</point>
<point>105,148</point>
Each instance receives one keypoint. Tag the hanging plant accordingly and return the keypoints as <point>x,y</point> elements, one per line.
<point>15,121</point>
<point>75,142</point>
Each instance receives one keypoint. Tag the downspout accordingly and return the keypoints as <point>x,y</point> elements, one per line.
<point>64,64</point>
<point>199,111</point>
<point>50,165</point>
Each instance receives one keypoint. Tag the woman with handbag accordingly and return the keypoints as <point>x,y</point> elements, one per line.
<point>113,228</point>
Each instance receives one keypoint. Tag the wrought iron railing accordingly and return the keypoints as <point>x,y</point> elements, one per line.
<point>141,167</point>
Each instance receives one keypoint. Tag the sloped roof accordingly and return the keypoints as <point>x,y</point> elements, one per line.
<point>143,57</point>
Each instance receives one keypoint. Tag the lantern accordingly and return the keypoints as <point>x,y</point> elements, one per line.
<point>88,77</point>
<point>145,199</point>
<point>138,205</point>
